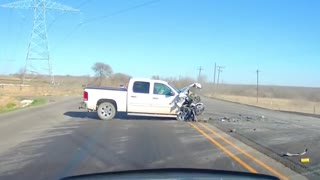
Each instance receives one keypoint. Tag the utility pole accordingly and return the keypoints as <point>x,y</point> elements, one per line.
<point>38,48</point>
<point>257,85</point>
<point>199,75</point>
<point>219,71</point>
<point>214,75</point>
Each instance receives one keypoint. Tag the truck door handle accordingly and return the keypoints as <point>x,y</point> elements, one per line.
<point>155,98</point>
<point>133,96</point>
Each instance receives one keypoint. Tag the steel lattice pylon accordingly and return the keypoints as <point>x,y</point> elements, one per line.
<point>38,48</point>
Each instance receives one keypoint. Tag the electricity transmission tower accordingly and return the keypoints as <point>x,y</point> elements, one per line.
<point>38,48</point>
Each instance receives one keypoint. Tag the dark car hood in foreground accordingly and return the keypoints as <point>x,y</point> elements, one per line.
<point>175,173</point>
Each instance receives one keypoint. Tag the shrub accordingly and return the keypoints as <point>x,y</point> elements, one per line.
<point>11,105</point>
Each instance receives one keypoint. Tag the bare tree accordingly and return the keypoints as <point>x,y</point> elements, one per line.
<point>120,79</point>
<point>179,82</point>
<point>155,77</point>
<point>101,71</point>
<point>20,74</point>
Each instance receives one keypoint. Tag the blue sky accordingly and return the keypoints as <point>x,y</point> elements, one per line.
<point>175,37</point>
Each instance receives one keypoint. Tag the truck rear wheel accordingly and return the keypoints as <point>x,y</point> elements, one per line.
<point>106,111</point>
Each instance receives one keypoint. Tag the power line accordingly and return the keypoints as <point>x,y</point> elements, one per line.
<point>80,25</point>
<point>63,14</point>
<point>121,11</point>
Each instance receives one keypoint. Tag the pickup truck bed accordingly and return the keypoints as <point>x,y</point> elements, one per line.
<point>106,88</point>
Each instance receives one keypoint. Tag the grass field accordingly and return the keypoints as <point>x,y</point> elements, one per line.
<point>274,103</point>
<point>11,91</point>
<point>38,102</point>
<point>297,99</point>
<point>8,103</point>
<point>10,96</point>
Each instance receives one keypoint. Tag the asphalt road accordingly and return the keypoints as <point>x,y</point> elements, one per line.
<point>272,132</point>
<point>58,140</point>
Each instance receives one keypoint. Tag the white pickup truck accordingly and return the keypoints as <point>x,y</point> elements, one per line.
<point>143,97</point>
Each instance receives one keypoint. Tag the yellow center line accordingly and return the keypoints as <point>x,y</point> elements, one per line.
<point>246,154</point>
<point>230,154</point>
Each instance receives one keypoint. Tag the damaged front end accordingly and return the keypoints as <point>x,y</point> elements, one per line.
<point>189,103</point>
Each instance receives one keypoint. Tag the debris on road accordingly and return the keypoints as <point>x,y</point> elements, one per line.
<point>254,129</point>
<point>305,160</point>
<point>296,154</point>
<point>225,118</point>
<point>235,120</point>
<point>205,120</point>
<point>232,130</point>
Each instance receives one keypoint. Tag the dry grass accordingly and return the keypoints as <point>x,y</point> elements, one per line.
<point>29,91</point>
<point>293,105</point>
<point>297,99</point>
<point>8,103</point>
<point>14,94</point>
<point>66,85</point>
<point>281,92</point>
<point>11,92</point>
<point>11,95</point>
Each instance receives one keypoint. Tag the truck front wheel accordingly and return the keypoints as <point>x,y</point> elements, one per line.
<point>106,111</point>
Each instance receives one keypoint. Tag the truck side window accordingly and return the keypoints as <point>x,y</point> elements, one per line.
<point>161,89</point>
<point>141,87</point>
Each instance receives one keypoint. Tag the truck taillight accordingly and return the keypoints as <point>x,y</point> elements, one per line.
<point>85,96</point>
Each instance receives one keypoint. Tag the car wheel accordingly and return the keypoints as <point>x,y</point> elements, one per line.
<point>196,99</point>
<point>182,114</point>
<point>106,111</point>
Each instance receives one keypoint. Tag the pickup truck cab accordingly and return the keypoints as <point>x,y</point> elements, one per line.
<point>143,97</point>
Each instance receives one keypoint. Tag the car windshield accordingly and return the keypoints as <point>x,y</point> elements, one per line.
<point>177,86</point>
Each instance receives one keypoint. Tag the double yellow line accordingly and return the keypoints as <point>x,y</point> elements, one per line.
<point>233,156</point>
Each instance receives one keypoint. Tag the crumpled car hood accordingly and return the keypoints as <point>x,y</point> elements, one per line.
<point>195,85</point>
